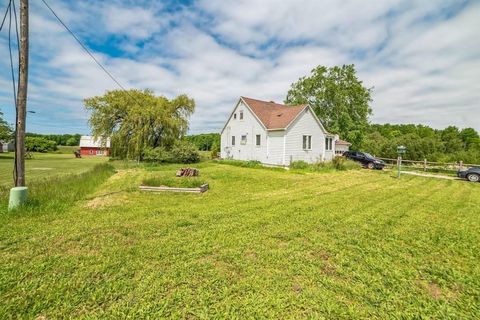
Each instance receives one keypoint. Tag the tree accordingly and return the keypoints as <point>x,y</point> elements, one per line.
<point>470,138</point>
<point>5,130</point>
<point>136,120</point>
<point>338,98</point>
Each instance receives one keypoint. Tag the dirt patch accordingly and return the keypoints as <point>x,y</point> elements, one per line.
<point>297,288</point>
<point>107,201</point>
<point>438,293</point>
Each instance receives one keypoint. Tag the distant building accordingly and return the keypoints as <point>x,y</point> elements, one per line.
<point>89,146</point>
<point>7,146</point>
<point>341,146</point>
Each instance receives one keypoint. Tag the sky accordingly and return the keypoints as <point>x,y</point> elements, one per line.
<point>422,58</point>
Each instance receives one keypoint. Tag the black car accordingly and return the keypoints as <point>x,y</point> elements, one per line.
<point>365,159</point>
<point>472,174</point>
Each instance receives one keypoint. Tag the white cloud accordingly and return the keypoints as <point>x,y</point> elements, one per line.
<point>423,58</point>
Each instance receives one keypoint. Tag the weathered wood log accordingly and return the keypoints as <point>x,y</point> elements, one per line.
<point>187,172</point>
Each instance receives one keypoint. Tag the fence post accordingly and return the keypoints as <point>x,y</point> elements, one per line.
<point>424,164</point>
<point>461,165</point>
<point>399,161</point>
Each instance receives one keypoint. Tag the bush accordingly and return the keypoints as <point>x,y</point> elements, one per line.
<point>215,150</point>
<point>157,155</point>
<point>185,153</point>
<point>181,153</point>
<point>300,164</point>
<point>38,144</point>
<point>337,163</point>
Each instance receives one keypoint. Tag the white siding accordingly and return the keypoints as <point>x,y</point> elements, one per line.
<point>275,154</point>
<point>305,124</point>
<point>250,127</point>
<point>277,147</point>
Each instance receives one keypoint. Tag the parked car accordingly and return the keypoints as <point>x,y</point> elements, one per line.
<point>366,159</point>
<point>472,174</point>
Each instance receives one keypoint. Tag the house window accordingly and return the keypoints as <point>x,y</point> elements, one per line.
<point>233,140</point>
<point>307,142</point>
<point>234,116</point>
<point>99,152</point>
<point>244,139</point>
<point>241,114</point>
<point>90,151</point>
<point>257,139</point>
<point>328,144</point>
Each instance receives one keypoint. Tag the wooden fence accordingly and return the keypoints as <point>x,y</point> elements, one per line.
<point>429,166</point>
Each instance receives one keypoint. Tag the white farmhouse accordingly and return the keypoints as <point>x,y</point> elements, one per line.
<point>275,134</point>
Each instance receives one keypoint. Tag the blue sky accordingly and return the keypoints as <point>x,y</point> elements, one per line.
<point>421,57</point>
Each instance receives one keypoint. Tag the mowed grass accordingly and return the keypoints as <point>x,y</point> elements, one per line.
<point>44,165</point>
<point>260,243</point>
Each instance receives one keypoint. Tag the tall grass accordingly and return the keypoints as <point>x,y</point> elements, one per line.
<point>60,192</point>
<point>337,163</point>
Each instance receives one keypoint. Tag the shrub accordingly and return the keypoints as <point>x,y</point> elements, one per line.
<point>215,150</point>
<point>185,153</point>
<point>181,153</point>
<point>300,164</point>
<point>338,162</point>
<point>157,155</point>
<point>38,144</point>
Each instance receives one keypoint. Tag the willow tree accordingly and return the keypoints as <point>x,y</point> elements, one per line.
<point>136,120</point>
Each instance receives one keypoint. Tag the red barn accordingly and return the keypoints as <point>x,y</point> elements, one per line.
<point>92,147</point>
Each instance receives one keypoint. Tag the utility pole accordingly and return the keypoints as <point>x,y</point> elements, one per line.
<point>18,194</point>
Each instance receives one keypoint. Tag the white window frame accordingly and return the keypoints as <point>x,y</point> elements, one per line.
<point>243,139</point>
<point>235,116</point>
<point>233,140</point>
<point>241,115</point>
<point>258,140</point>
<point>307,142</point>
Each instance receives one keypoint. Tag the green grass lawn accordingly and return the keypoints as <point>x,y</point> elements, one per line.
<point>260,243</point>
<point>44,165</point>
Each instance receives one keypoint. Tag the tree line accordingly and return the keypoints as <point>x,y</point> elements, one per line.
<point>59,139</point>
<point>423,142</point>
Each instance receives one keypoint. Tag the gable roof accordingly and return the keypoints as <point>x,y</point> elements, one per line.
<point>91,142</point>
<point>273,115</point>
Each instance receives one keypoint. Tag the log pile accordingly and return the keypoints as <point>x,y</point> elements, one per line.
<point>187,172</point>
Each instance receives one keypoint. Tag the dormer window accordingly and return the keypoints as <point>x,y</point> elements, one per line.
<point>241,114</point>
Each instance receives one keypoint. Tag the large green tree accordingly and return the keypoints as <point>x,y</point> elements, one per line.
<point>136,120</point>
<point>339,99</point>
<point>5,130</point>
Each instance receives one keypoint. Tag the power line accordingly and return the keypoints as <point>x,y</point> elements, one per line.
<point>5,16</point>
<point>10,51</point>
<point>84,47</point>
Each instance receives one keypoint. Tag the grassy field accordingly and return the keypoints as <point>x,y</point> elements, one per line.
<point>44,165</point>
<point>260,243</point>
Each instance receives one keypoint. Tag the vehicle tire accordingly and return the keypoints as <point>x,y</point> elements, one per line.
<point>370,165</point>
<point>473,177</point>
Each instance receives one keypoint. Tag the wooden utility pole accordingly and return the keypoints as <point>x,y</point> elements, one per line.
<point>21,97</point>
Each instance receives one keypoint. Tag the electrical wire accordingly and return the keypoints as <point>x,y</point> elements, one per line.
<point>11,56</point>
<point>5,16</point>
<point>88,51</point>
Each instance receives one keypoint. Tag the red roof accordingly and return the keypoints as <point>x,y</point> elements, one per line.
<point>273,115</point>
<point>343,142</point>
